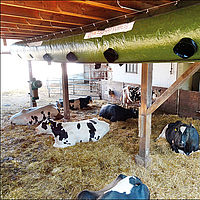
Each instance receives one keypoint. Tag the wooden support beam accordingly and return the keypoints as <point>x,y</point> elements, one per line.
<point>144,120</point>
<point>176,85</point>
<point>4,42</point>
<point>65,92</point>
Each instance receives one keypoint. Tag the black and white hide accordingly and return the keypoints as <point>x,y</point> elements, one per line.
<point>36,115</point>
<point>130,94</point>
<point>123,187</point>
<point>115,113</point>
<point>69,133</point>
<point>181,137</point>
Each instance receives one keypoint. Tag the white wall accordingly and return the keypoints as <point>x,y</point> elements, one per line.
<point>161,74</point>
<point>119,74</point>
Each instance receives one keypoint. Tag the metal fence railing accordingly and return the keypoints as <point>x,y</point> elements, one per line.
<point>76,86</point>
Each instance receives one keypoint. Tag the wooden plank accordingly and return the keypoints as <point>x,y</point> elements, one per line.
<point>104,5</point>
<point>4,42</point>
<point>65,92</point>
<point>144,120</point>
<point>184,77</point>
<point>37,7</point>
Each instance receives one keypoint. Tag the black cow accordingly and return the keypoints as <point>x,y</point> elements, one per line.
<point>123,187</point>
<point>115,113</point>
<point>78,103</point>
<point>181,137</point>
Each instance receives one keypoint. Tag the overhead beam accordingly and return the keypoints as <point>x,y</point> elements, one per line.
<point>14,35</point>
<point>27,27</point>
<point>22,31</point>
<point>103,5</point>
<point>36,23</point>
<point>38,19</point>
<point>51,11</point>
<point>176,85</point>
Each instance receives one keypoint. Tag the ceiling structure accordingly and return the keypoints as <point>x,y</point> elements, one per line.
<point>44,20</point>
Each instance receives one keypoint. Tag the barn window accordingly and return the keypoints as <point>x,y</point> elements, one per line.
<point>132,68</point>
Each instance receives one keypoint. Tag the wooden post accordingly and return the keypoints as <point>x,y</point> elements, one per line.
<point>32,102</point>
<point>5,42</point>
<point>65,91</point>
<point>144,120</point>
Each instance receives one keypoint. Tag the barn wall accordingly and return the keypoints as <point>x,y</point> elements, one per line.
<point>183,102</point>
<point>164,74</point>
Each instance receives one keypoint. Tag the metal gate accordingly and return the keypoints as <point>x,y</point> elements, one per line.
<point>77,86</point>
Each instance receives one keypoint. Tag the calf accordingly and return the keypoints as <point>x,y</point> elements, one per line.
<point>181,137</point>
<point>78,103</point>
<point>123,187</point>
<point>155,94</point>
<point>69,133</point>
<point>35,115</point>
<point>115,113</point>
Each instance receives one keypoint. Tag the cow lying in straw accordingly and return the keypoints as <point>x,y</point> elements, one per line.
<point>115,113</point>
<point>36,115</point>
<point>69,133</point>
<point>123,187</point>
<point>181,137</point>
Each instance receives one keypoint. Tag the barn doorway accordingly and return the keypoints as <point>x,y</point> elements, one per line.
<point>196,81</point>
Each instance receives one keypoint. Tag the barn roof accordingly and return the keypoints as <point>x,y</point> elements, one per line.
<point>138,31</point>
<point>33,20</point>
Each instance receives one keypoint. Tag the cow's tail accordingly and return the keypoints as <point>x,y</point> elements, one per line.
<point>162,135</point>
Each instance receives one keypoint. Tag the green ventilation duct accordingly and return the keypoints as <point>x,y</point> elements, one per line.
<point>150,40</point>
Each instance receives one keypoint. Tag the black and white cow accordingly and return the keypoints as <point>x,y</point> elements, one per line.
<point>132,94</point>
<point>129,95</point>
<point>69,133</point>
<point>181,137</point>
<point>123,187</point>
<point>36,115</point>
<point>78,103</point>
<point>115,113</point>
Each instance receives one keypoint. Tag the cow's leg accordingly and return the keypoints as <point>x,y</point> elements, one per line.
<point>174,147</point>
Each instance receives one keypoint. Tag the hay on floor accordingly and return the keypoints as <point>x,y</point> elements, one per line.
<point>32,168</point>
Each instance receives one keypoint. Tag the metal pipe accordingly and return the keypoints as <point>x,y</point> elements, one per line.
<point>126,7</point>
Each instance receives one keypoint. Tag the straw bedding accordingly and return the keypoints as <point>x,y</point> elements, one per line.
<point>31,168</point>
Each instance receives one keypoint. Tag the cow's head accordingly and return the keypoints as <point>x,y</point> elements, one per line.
<point>45,126</point>
<point>155,94</point>
<point>185,133</point>
<point>90,99</point>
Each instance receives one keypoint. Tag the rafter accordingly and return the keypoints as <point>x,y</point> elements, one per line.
<point>35,23</point>
<point>103,5</point>
<point>22,29</point>
<point>51,11</point>
<point>32,18</point>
